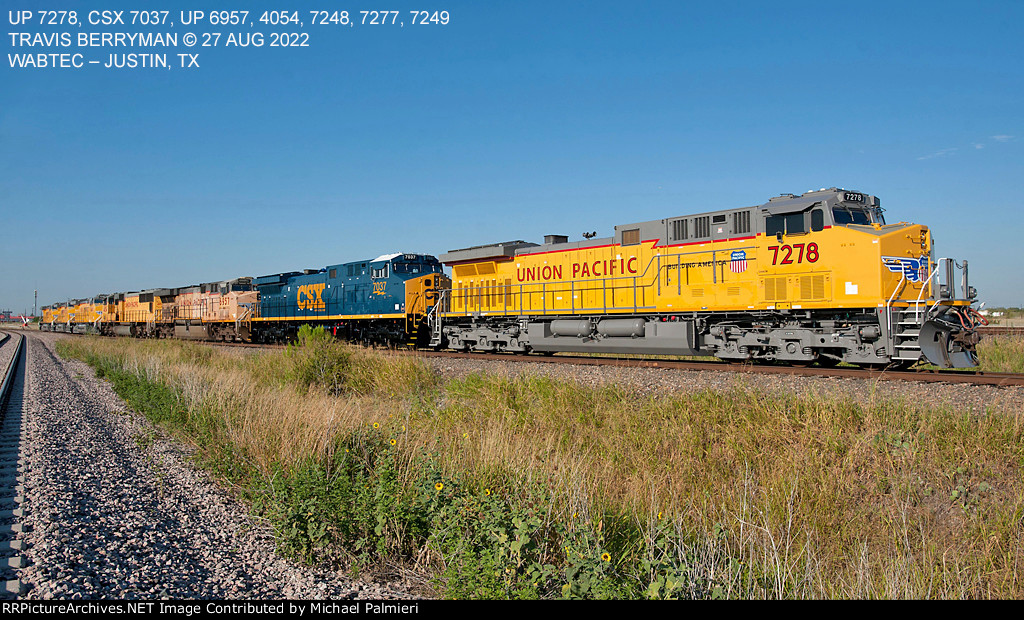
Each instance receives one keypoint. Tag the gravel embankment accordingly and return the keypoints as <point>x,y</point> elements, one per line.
<point>117,511</point>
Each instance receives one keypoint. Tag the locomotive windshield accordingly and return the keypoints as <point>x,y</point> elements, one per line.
<point>415,263</point>
<point>407,268</point>
<point>856,215</point>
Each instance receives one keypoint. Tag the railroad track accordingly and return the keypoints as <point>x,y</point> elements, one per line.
<point>12,476</point>
<point>922,375</point>
<point>997,379</point>
<point>1001,330</point>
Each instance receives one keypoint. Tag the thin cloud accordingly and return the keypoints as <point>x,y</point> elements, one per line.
<point>1002,138</point>
<point>940,153</point>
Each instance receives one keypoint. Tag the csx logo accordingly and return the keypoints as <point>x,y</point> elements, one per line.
<point>309,297</point>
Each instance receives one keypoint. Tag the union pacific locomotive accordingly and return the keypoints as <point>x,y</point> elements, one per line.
<point>816,278</point>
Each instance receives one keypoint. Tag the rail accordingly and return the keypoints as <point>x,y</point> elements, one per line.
<point>8,381</point>
<point>976,377</point>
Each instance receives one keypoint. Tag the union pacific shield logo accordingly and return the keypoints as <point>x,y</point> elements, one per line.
<point>738,261</point>
<point>911,268</point>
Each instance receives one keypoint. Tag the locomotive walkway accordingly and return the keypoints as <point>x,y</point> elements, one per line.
<point>114,510</point>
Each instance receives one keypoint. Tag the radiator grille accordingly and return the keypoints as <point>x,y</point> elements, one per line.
<point>775,289</point>
<point>812,287</point>
<point>680,230</point>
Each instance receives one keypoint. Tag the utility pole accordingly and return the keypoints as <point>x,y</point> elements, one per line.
<point>35,300</point>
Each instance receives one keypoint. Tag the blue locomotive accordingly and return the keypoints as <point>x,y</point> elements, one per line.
<point>384,300</point>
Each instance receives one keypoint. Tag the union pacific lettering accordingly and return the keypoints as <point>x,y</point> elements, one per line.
<point>585,269</point>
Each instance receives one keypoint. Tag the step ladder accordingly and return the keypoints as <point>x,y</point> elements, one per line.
<point>434,319</point>
<point>906,331</point>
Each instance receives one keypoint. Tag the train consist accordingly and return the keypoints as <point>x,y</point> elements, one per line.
<point>384,300</point>
<point>816,278</point>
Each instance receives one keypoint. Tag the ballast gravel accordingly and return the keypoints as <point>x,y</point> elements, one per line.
<point>7,350</point>
<point>646,381</point>
<point>115,510</point>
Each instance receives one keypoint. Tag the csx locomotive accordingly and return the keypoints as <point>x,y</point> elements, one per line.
<point>815,278</point>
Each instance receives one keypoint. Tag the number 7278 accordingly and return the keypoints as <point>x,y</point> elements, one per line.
<point>803,251</point>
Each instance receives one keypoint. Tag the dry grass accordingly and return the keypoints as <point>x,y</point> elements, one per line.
<point>767,495</point>
<point>1001,354</point>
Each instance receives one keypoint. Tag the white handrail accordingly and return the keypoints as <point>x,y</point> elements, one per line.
<point>888,305</point>
<point>934,272</point>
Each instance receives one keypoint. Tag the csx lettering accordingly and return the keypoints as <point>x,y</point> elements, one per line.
<point>787,253</point>
<point>308,297</point>
<point>106,18</point>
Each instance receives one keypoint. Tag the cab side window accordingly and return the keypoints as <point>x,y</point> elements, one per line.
<point>817,220</point>
<point>795,224</point>
<point>787,224</point>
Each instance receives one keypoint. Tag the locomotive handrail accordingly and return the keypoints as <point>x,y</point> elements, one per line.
<point>934,273</point>
<point>245,315</point>
<point>470,296</point>
<point>434,316</point>
<point>888,307</point>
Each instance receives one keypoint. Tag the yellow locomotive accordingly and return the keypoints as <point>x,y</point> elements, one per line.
<point>818,278</point>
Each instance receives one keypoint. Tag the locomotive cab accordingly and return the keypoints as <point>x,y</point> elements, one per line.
<point>802,214</point>
<point>884,269</point>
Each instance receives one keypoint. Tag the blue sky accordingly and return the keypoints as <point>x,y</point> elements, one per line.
<point>514,121</point>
